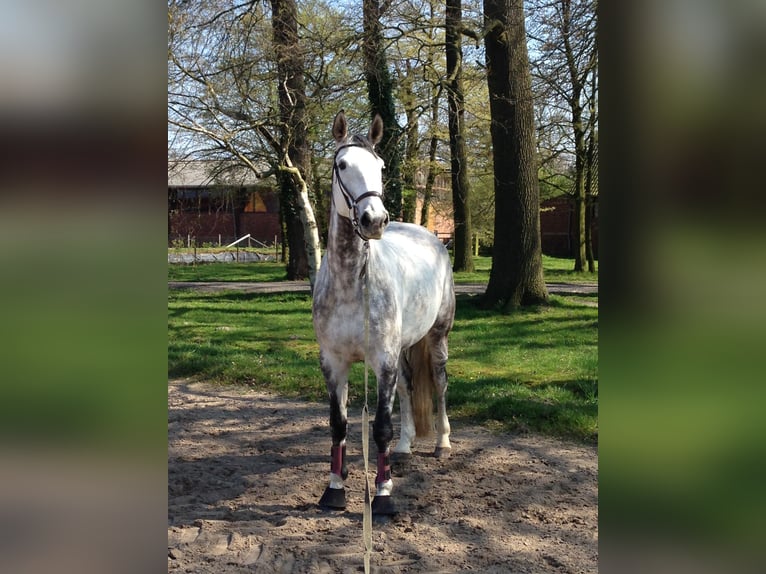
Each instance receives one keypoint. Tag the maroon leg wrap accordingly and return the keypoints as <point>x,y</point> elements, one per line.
<point>384,468</point>
<point>336,464</point>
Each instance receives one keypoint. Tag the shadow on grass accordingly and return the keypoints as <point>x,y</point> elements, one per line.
<point>566,409</point>
<point>533,369</point>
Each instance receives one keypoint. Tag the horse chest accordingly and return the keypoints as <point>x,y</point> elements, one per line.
<point>339,325</point>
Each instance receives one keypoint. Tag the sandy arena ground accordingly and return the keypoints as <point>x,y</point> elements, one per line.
<point>246,469</point>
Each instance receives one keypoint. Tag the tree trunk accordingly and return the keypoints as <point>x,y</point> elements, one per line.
<point>516,277</point>
<point>578,128</point>
<point>589,237</point>
<point>320,201</point>
<point>591,165</point>
<point>296,209</point>
<point>590,206</point>
<point>431,177</point>
<point>409,167</point>
<point>308,222</point>
<point>381,94</point>
<point>579,180</point>
<point>463,257</point>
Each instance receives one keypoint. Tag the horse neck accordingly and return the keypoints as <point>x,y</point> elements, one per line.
<point>346,251</point>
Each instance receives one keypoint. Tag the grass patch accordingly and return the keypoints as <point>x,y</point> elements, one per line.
<point>531,370</point>
<point>555,270</point>
<point>261,271</point>
<point>535,369</point>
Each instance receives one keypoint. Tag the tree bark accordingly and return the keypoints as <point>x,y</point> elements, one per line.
<point>461,189</point>
<point>296,209</point>
<point>308,223</point>
<point>381,94</point>
<point>591,163</point>
<point>516,277</point>
<point>590,206</point>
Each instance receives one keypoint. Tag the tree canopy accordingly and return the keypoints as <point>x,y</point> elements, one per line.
<point>224,92</point>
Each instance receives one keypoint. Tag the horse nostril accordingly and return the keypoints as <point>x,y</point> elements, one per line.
<point>366,219</point>
<point>385,219</point>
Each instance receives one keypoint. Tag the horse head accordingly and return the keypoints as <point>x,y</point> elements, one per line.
<point>358,178</point>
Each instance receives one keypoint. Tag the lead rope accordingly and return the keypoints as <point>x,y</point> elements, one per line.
<point>367,517</point>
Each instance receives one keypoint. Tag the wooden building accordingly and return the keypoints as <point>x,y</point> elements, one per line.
<point>215,202</point>
<point>218,202</point>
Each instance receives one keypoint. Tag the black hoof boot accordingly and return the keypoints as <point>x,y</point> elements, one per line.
<point>442,452</point>
<point>383,506</point>
<point>333,499</point>
<point>400,462</point>
<point>402,458</point>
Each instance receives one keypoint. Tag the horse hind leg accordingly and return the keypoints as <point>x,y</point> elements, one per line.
<point>428,362</point>
<point>438,352</point>
<point>382,433</point>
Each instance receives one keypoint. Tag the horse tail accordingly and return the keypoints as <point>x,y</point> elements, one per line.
<point>423,388</point>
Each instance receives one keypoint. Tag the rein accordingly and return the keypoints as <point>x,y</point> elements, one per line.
<point>352,202</point>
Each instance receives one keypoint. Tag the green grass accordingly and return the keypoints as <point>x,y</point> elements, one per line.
<point>555,270</point>
<point>531,370</point>
<point>535,369</point>
<point>261,271</point>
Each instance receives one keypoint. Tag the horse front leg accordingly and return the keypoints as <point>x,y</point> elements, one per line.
<point>402,451</point>
<point>383,433</point>
<point>334,497</point>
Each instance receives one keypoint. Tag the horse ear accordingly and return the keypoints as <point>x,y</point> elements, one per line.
<point>376,130</point>
<point>339,127</point>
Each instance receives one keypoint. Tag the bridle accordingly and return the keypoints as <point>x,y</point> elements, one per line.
<point>351,201</point>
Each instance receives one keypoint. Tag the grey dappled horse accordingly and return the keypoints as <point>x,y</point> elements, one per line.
<point>411,311</point>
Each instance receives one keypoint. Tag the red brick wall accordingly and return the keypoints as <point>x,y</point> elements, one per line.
<point>557,228</point>
<point>261,226</point>
<point>206,227</point>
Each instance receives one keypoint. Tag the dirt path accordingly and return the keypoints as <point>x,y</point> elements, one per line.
<point>246,469</point>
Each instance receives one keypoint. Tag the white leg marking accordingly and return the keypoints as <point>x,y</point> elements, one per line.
<point>335,481</point>
<point>442,424</point>
<point>384,488</point>
<point>407,431</point>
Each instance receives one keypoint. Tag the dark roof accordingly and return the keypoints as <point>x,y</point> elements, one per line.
<point>204,173</point>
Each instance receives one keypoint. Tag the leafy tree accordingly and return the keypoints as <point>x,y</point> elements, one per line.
<point>381,94</point>
<point>566,71</point>
<point>222,82</point>
<point>298,214</point>
<point>234,94</point>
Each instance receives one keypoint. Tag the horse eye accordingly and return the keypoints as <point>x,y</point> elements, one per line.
<point>341,164</point>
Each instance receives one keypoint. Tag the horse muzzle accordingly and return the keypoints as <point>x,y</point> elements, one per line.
<point>373,222</point>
